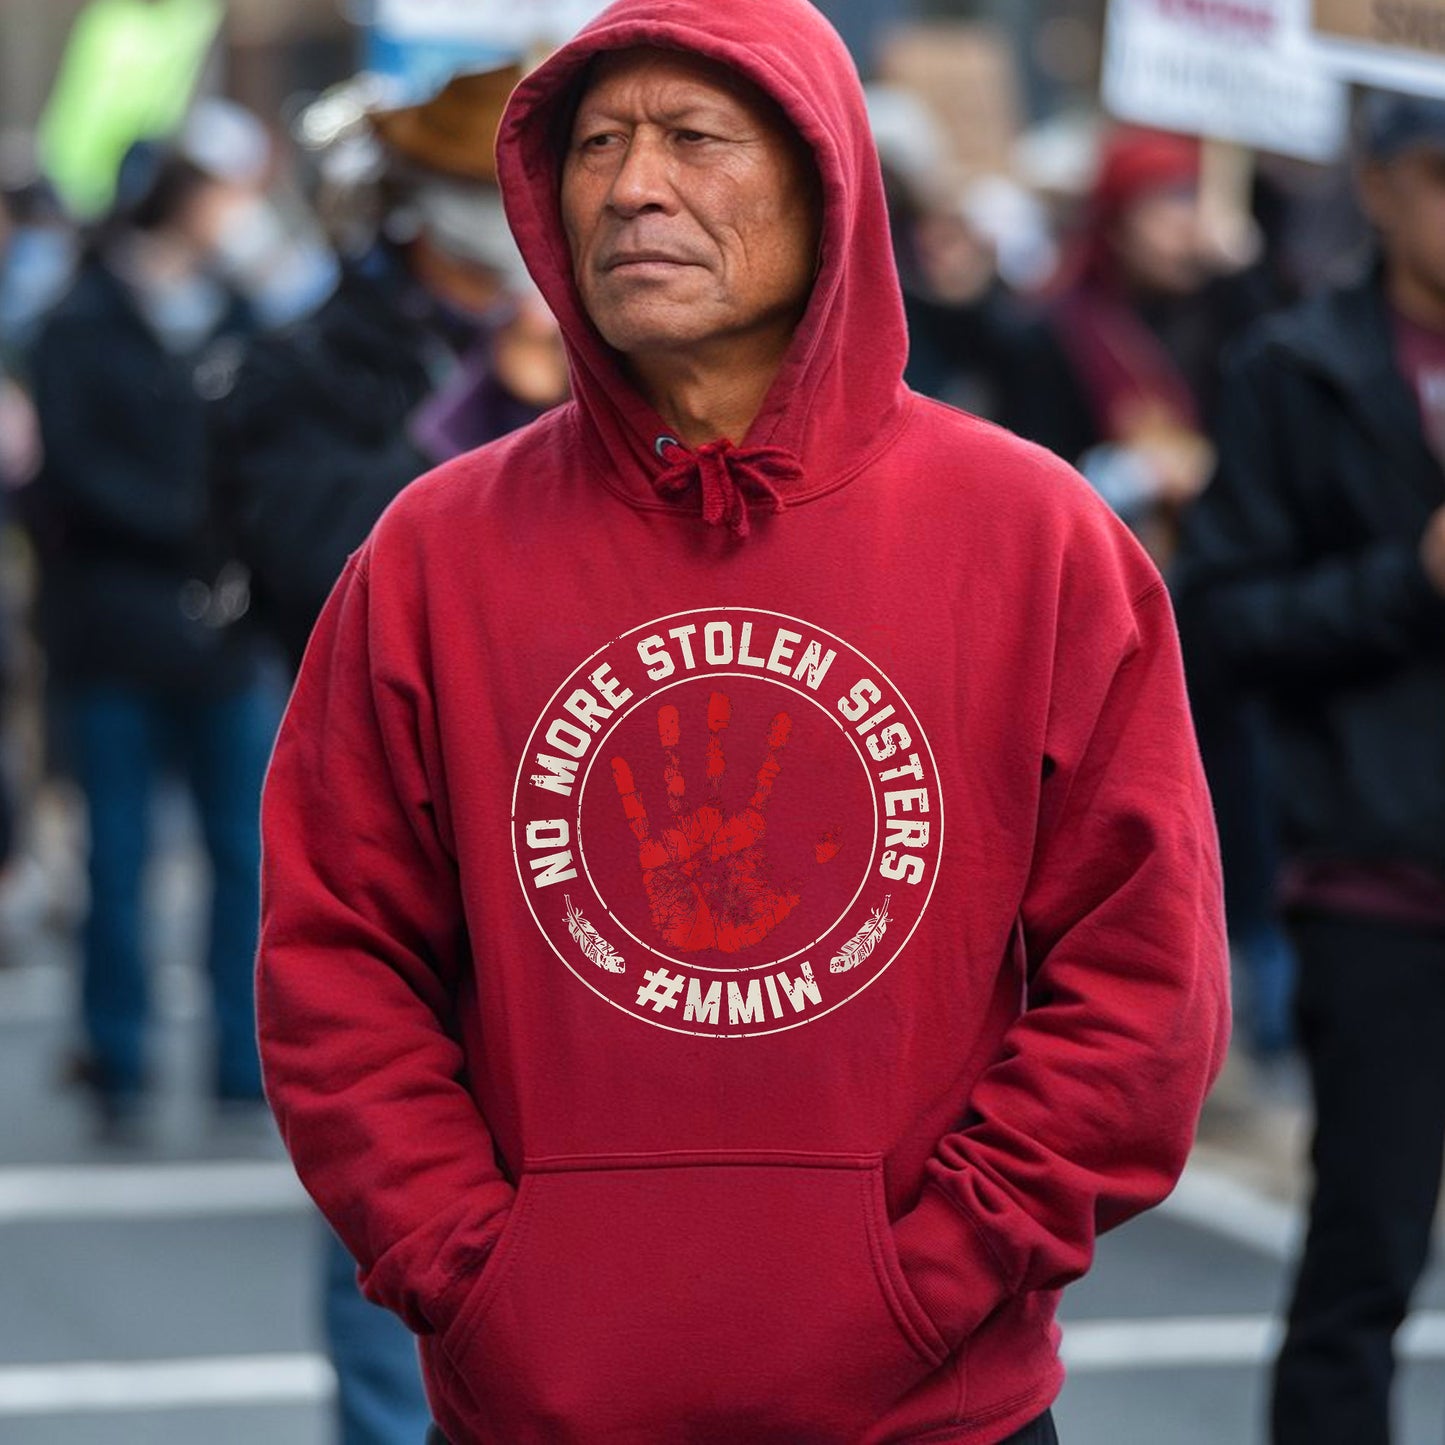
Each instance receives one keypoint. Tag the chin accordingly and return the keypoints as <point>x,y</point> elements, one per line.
<point>642,334</point>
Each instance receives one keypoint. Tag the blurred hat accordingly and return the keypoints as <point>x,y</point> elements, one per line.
<point>455,132</point>
<point>226,141</point>
<point>1390,124</point>
<point>1137,163</point>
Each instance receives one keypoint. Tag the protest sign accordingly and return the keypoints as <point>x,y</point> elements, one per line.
<point>1230,70</point>
<point>516,25</point>
<point>418,45</point>
<point>1396,44</point>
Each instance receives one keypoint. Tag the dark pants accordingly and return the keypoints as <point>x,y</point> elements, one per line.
<point>1041,1432</point>
<point>1372,1025</point>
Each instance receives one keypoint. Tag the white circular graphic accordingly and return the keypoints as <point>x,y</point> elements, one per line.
<point>727,822</point>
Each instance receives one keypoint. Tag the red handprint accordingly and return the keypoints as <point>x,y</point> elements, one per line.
<point>706,877</point>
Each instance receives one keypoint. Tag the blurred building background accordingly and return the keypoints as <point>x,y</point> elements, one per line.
<point>272,49</point>
<point>275,49</point>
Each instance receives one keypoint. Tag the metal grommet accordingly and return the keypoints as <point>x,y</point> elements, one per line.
<point>661,445</point>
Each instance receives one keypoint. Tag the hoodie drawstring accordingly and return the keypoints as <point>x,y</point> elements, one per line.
<point>726,474</point>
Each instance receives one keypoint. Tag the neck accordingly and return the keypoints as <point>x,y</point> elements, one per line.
<point>1415,299</point>
<point>708,398</point>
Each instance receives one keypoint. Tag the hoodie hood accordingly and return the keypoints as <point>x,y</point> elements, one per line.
<point>838,398</point>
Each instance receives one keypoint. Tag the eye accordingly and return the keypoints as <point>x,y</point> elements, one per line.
<point>691,137</point>
<point>596,141</point>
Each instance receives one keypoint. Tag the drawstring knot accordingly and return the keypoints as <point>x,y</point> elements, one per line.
<point>726,474</point>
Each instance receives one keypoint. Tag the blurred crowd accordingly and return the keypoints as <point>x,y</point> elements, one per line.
<point>221,359</point>
<point>213,386</point>
<point>217,372</point>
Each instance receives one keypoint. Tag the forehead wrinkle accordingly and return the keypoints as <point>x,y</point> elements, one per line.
<point>702,83</point>
<point>675,114</point>
<point>679,100</point>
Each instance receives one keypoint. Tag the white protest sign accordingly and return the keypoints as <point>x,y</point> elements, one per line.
<point>1396,44</point>
<point>505,24</point>
<point>1230,70</point>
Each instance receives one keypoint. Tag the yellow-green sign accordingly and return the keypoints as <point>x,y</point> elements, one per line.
<point>129,73</point>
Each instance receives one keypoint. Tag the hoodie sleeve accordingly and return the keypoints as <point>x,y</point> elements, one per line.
<point>363,943</point>
<point>1088,1113</point>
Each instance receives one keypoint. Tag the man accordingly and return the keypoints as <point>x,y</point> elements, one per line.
<point>742,909</point>
<point>1316,563</point>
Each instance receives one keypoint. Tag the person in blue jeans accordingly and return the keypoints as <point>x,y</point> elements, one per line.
<point>120,738</point>
<point>142,614</point>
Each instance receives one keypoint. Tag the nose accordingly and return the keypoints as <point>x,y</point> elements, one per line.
<point>643,179</point>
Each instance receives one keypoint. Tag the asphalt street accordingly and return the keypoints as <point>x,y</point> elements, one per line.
<point>170,1294</point>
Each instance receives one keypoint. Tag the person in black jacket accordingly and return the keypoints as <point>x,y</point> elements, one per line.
<point>1315,563</point>
<point>143,620</point>
<point>428,347</point>
<point>310,441</point>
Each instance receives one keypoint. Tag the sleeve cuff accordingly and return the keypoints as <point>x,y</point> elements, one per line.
<point>429,1299</point>
<point>952,1272</point>
<point>446,1303</point>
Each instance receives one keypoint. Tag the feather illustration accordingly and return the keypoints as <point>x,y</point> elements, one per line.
<point>864,941</point>
<point>592,943</point>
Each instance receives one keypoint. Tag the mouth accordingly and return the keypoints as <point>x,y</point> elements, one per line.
<point>631,259</point>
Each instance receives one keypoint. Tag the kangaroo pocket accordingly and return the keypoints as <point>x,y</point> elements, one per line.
<point>670,1298</point>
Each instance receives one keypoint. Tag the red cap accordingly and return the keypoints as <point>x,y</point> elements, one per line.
<point>1138,162</point>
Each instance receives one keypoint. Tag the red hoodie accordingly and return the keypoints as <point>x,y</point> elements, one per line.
<point>719,987</point>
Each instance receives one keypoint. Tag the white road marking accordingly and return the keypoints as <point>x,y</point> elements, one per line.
<point>101,1387</point>
<point>1095,1346</point>
<point>72,1193</point>
<point>1100,1346</point>
<point>1090,1347</point>
<point>45,993</point>
<point>1205,1197</point>
<point>1215,1201</point>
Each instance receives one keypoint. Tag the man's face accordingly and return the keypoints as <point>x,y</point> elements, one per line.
<point>1157,242</point>
<point>690,208</point>
<point>1405,198</point>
